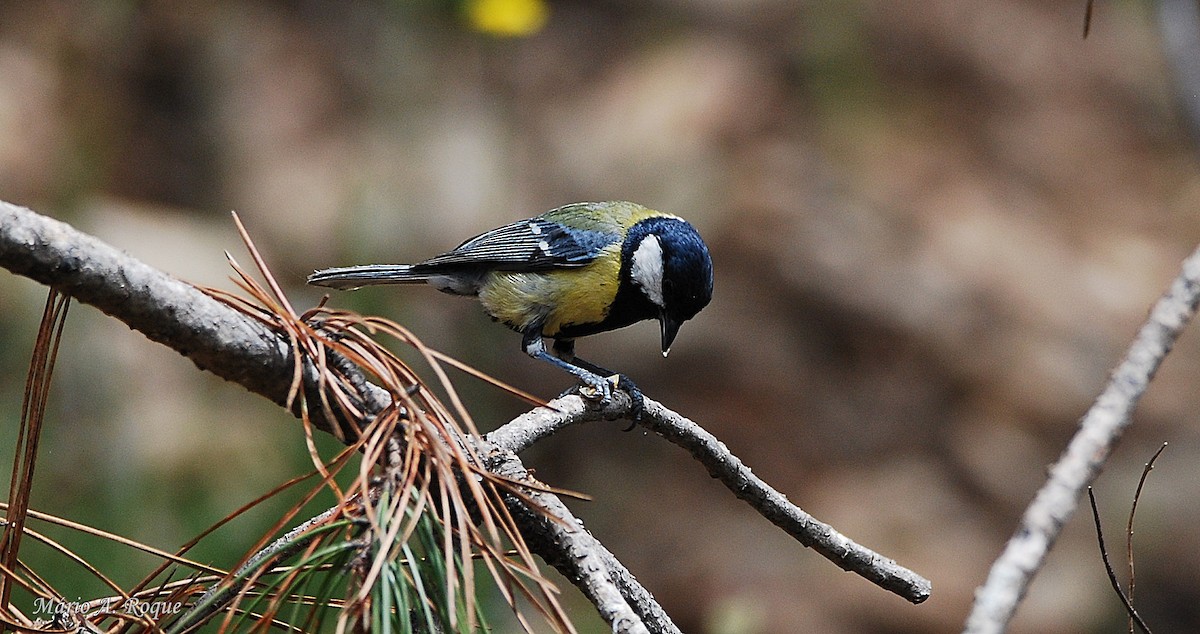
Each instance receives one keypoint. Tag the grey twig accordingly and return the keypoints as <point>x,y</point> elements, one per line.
<point>1112,574</point>
<point>219,595</point>
<point>580,557</point>
<point>1137,496</point>
<point>731,471</point>
<point>996,601</point>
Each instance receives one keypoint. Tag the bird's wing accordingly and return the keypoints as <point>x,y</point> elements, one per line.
<point>536,244</point>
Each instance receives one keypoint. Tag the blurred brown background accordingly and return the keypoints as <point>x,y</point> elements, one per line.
<point>935,225</point>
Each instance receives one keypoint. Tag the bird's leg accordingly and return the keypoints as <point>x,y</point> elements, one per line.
<point>565,349</point>
<point>536,348</point>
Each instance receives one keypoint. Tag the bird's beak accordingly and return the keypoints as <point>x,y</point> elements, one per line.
<point>670,328</point>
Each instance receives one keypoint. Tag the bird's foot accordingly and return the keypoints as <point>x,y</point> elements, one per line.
<point>594,387</point>
<point>600,390</point>
<point>637,403</point>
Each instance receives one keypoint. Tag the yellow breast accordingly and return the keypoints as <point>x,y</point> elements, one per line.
<point>556,298</point>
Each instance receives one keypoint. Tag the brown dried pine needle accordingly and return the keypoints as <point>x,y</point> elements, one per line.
<point>416,472</point>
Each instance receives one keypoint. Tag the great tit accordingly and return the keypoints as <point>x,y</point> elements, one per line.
<point>573,271</point>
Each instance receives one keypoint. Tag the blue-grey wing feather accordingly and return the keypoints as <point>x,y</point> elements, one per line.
<point>528,245</point>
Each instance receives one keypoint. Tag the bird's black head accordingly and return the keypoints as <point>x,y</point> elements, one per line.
<point>669,264</point>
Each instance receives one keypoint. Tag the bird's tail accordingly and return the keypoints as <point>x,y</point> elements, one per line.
<point>351,277</point>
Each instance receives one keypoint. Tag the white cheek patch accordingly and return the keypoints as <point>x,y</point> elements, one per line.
<point>647,269</point>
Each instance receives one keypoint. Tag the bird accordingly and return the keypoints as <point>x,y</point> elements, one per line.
<point>574,271</point>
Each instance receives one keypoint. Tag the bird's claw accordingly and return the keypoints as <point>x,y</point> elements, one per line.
<point>596,388</point>
<point>599,389</point>
<point>637,403</point>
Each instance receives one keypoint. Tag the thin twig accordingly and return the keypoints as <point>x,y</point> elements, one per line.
<point>1112,575</point>
<point>773,505</point>
<point>722,464</point>
<point>1137,495</point>
<point>219,595</point>
<point>582,560</point>
<point>996,601</point>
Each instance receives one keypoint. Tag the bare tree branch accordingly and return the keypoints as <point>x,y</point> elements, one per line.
<point>996,601</point>
<point>723,465</point>
<point>169,311</point>
<point>582,558</point>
